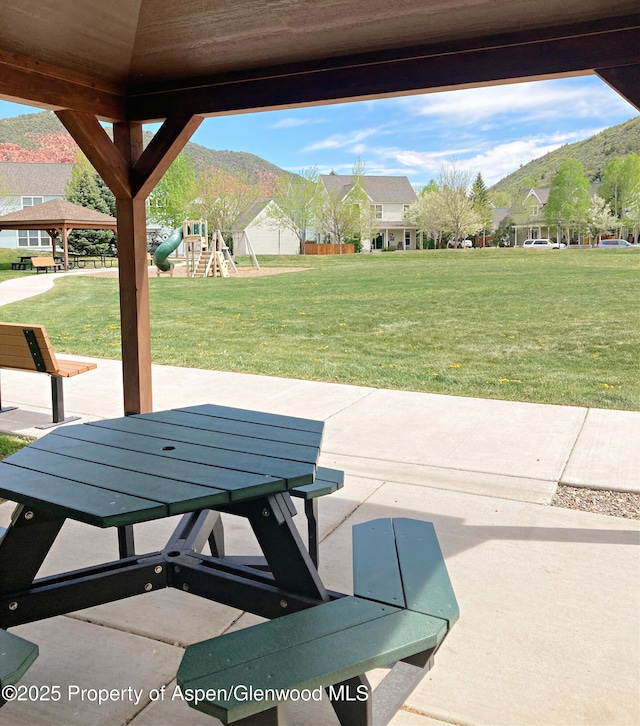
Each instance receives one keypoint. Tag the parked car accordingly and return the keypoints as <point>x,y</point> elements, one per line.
<point>613,243</point>
<point>544,244</point>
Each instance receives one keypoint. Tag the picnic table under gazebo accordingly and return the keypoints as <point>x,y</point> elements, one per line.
<point>58,217</point>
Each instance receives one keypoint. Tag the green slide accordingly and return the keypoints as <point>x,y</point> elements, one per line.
<point>166,248</point>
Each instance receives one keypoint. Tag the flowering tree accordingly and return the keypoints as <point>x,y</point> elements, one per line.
<point>222,199</point>
<point>297,199</point>
<point>599,217</point>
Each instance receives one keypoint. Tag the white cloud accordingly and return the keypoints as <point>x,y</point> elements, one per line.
<point>531,101</point>
<point>291,122</point>
<point>351,140</point>
<point>494,162</point>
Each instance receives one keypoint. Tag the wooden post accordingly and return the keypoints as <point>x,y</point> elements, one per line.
<point>135,327</point>
<point>131,172</point>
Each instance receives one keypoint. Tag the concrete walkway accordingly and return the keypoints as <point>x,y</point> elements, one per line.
<point>550,598</point>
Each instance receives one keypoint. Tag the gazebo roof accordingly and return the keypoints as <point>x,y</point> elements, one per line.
<point>143,60</point>
<point>57,213</point>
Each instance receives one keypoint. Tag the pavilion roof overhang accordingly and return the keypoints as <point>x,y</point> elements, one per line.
<point>607,45</point>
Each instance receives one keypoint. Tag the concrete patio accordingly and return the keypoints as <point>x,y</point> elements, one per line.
<point>549,597</point>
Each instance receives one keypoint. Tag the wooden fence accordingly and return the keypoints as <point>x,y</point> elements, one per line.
<point>327,249</point>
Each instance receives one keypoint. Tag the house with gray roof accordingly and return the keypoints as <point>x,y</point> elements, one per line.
<point>390,197</point>
<point>25,184</point>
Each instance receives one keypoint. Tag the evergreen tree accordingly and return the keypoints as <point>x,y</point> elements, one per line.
<point>482,205</point>
<point>87,189</point>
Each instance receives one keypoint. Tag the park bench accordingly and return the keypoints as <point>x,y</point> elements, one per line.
<point>27,348</point>
<point>16,656</point>
<point>45,263</point>
<point>402,608</point>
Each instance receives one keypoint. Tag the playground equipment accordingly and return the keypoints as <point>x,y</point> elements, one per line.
<point>206,259</point>
<point>165,248</point>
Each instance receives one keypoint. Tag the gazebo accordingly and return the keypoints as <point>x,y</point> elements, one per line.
<point>131,62</point>
<point>58,218</point>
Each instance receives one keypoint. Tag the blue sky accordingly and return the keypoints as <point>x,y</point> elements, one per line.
<point>489,130</point>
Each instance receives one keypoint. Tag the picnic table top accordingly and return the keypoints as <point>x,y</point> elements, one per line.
<point>149,466</point>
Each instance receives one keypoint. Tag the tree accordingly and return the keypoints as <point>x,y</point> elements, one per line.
<point>427,212</point>
<point>459,216</point>
<point>569,197</point>
<point>482,205</point>
<point>621,189</point>
<point>503,234</point>
<point>169,201</point>
<point>348,216</point>
<point>222,199</point>
<point>296,202</point>
<point>87,189</point>
<point>599,217</point>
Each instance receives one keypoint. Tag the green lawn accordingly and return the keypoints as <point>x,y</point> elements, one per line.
<point>528,325</point>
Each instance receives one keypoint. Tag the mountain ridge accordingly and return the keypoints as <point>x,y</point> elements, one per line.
<point>41,137</point>
<point>594,152</point>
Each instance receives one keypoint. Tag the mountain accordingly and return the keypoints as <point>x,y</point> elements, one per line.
<point>41,137</point>
<point>594,153</point>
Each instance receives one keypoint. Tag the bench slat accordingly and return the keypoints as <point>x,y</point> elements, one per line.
<point>238,647</point>
<point>16,656</point>
<point>327,481</point>
<point>425,578</point>
<point>376,572</point>
<point>69,368</point>
<point>322,661</point>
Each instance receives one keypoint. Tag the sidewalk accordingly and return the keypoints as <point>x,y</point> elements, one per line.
<point>549,631</point>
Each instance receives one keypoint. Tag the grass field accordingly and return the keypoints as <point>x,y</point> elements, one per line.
<point>527,325</point>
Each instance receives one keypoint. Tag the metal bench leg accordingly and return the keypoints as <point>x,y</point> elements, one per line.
<point>126,544</point>
<point>311,512</point>
<point>57,404</point>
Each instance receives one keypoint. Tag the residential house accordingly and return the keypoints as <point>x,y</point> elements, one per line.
<point>254,232</point>
<point>529,218</point>
<point>390,197</point>
<point>28,184</point>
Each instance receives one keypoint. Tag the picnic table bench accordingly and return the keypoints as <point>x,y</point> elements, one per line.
<point>23,264</point>
<point>402,609</point>
<point>28,348</point>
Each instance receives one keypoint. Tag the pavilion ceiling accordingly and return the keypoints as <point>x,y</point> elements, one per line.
<point>149,59</point>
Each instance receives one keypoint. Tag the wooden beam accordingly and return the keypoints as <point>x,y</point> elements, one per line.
<point>162,150</point>
<point>47,86</point>
<point>135,328</point>
<point>99,149</point>
<point>625,80</point>
<point>547,53</point>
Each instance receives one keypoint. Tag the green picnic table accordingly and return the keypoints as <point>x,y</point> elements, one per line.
<point>199,462</point>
